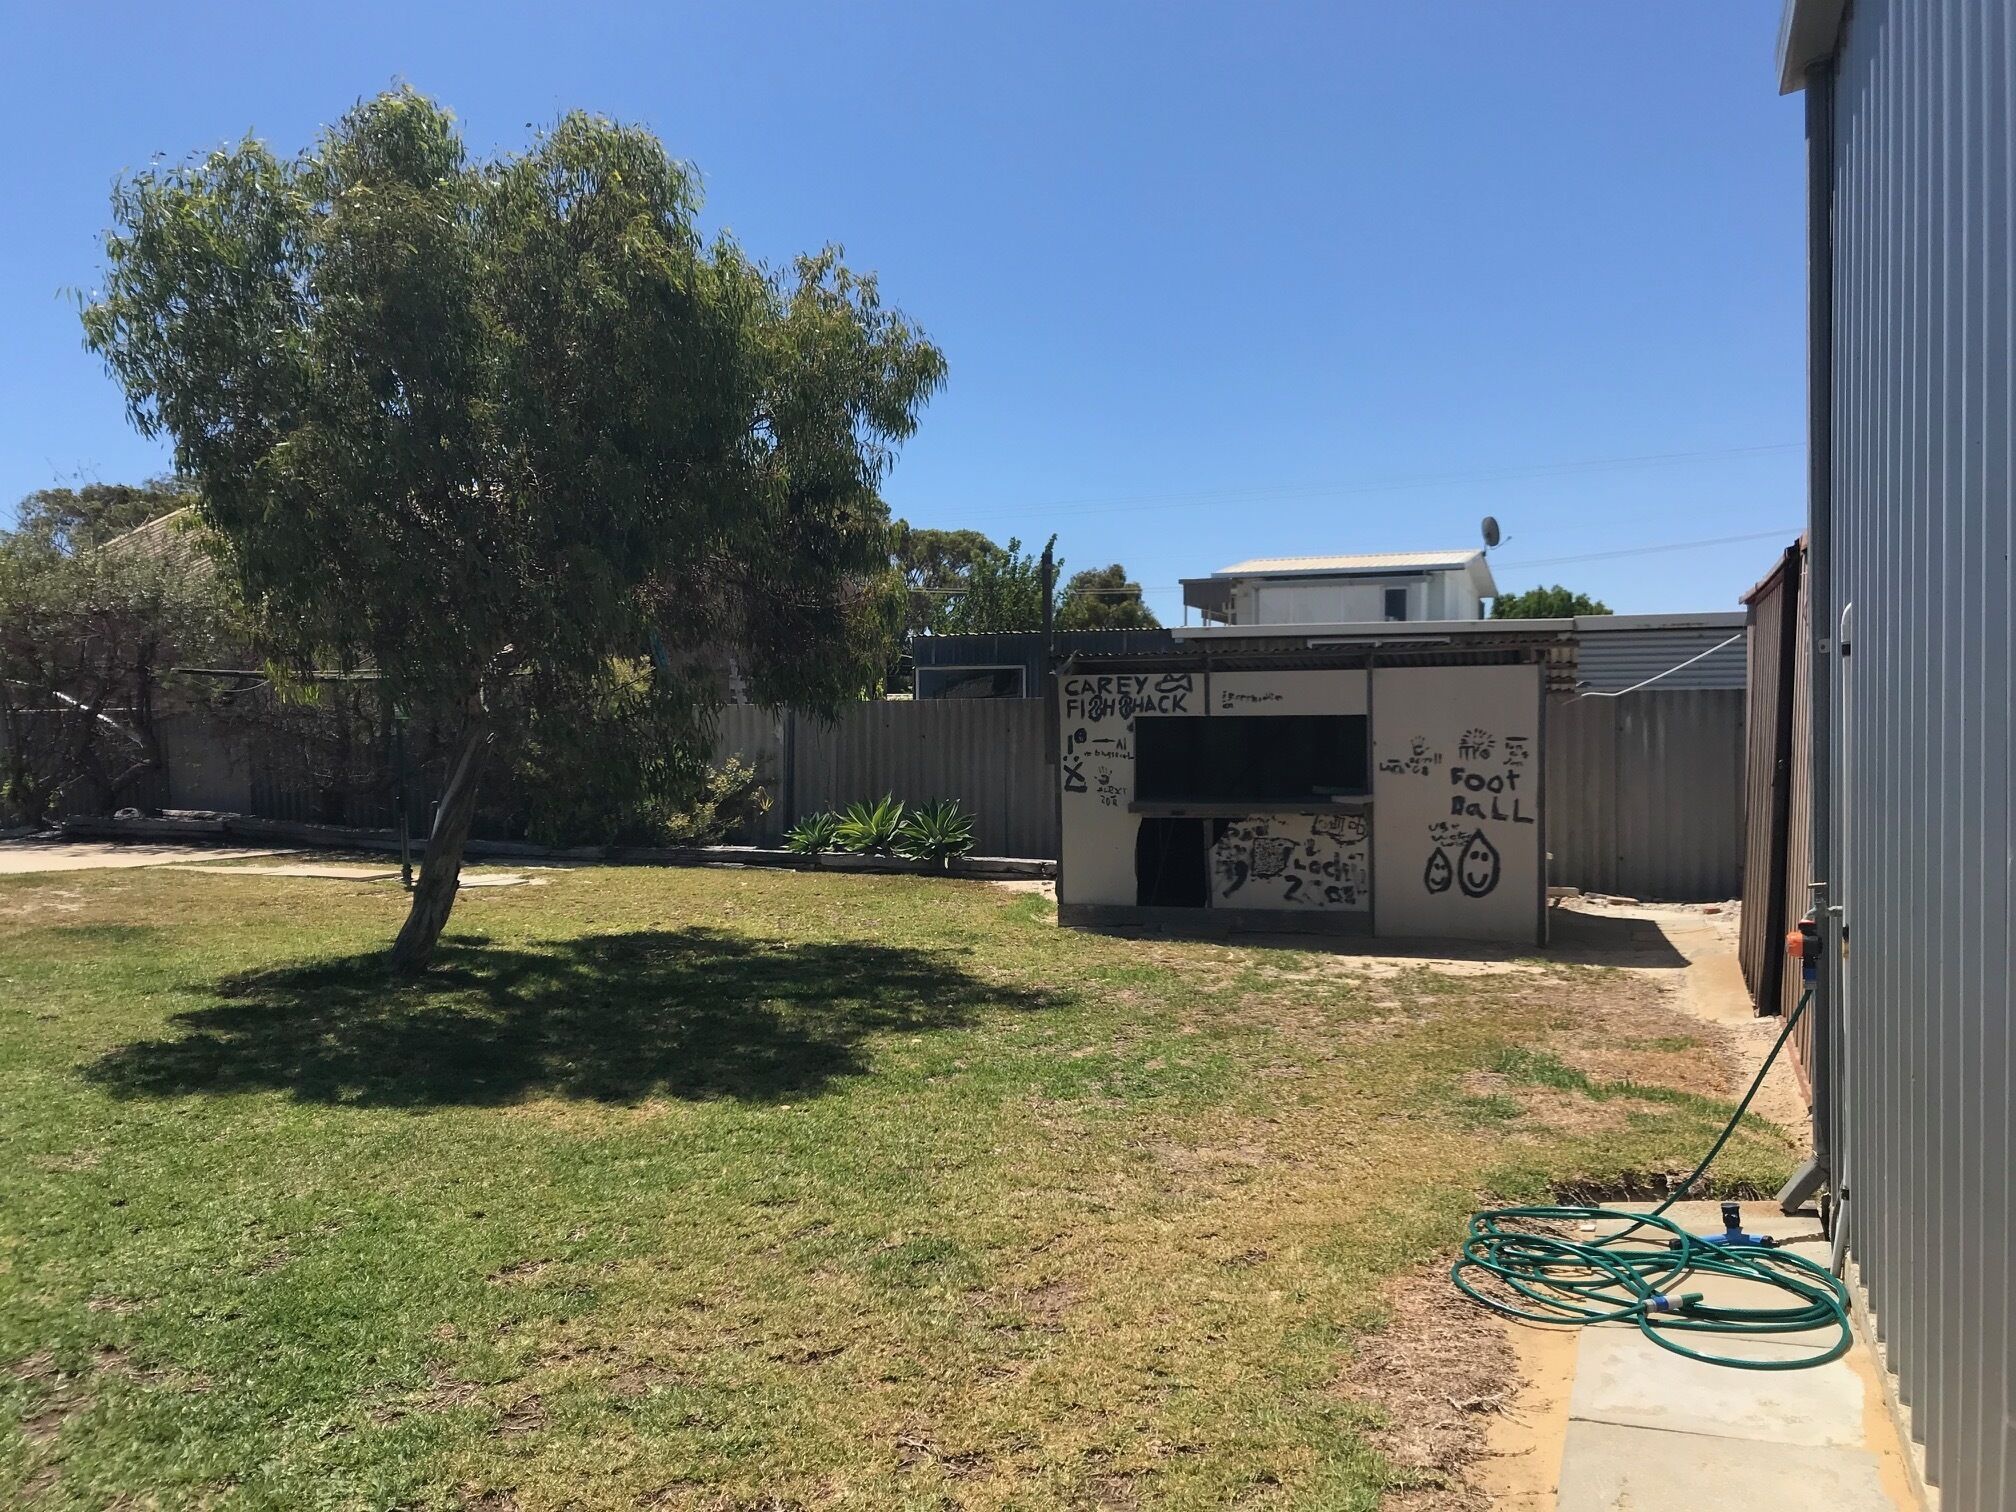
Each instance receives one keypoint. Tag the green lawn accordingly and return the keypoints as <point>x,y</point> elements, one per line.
<point>721,1189</point>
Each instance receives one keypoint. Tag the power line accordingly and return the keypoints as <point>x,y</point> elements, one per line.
<point>1600,556</point>
<point>1203,498</point>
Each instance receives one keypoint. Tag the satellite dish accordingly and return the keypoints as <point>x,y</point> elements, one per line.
<point>1490,532</point>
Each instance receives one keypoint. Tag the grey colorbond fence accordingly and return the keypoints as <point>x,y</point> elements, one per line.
<point>987,753</point>
<point>1645,794</point>
<point>1644,791</point>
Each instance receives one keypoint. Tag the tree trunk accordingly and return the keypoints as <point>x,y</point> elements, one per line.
<point>441,866</point>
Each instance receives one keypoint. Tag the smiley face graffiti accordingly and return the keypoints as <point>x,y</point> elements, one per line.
<point>1439,873</point>
<point>1475,870</point>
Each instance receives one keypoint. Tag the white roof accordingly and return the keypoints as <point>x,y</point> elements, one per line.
<point>1375,561</point>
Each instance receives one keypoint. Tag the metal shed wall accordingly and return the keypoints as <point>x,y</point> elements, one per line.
<point>1024,649</point>
<point>1612,660</point>
<point>1922,418</point>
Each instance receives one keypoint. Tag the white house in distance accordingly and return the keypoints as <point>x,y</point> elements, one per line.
<point>1344,590</point>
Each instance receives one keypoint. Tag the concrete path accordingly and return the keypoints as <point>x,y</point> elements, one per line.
<point>1650,1431</point>
<point>337,871</point>
<point>24,857</point>
<point>1607,1420</point>
<point>20,857</point>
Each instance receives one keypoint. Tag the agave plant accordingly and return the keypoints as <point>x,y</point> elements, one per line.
<point>813,834</point>
<point>870,829</point>
<point>940,832</point>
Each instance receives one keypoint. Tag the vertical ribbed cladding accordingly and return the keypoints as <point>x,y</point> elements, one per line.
<point>1923,252</point>
<point>985,752</point>
<point>1645,794</point>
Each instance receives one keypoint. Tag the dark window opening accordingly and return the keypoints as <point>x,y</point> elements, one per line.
<point>1244,758</point>
<point>1396,603</point>
<point>1172,863</point>
<point>970,682</point>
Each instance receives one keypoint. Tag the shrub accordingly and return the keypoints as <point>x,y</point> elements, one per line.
<point>870,829</point>
<point>732,799</point>
<point>813,834</point>
<point>940,832</point>
<point>611,802</point>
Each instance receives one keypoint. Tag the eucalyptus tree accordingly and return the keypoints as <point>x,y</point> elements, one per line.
<point>514,433</point>
<point>1105,598</point>
<point>1553,602</point>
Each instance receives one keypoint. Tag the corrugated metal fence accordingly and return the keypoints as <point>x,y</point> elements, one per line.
<point>1626,652</point>
<point>987,753</point>
<point>1645,793</point>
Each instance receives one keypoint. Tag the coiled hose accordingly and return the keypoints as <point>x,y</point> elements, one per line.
<point>1558,1279</point>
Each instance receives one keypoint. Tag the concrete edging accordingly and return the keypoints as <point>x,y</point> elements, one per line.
<point>208,828</point>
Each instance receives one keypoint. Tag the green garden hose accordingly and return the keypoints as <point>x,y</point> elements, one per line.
<point>1553,1278</point>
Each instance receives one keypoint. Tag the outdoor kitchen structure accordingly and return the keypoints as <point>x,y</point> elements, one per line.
<point>1352,779</point>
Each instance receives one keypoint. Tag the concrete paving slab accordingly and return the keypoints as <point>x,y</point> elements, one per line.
<point>1607,1468</point>
<point>1758,1218</point>
<point>1800,1235</point>
<point>1624,1378</point>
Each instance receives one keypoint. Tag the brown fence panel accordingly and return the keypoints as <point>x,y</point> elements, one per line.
<point>1799,821</point>
<point>1645,793</point>
<point>1767,777</point>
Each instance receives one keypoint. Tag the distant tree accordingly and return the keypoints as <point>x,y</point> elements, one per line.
<point>1104,598</point>
<point>934,564</point>
<point>70,520</point>
<point>504,431</point>
<point>1545,603</point>
<point>1001,592</point>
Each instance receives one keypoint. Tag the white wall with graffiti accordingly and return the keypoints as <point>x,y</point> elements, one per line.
<point>1256,861</point>
<point>1456,794</point>
<point>1096,768</point>
<point>1294,861</point>
<point>1443,838</point>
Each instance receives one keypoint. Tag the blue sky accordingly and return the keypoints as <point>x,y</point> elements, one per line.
<point>1213,280</point>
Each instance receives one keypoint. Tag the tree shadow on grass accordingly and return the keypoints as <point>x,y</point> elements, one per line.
<point>691,1013</point>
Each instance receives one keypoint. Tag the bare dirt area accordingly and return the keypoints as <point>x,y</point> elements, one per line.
<point>1709,988</point>
<point>1441,1376</point>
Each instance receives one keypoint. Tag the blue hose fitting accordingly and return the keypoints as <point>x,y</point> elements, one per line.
<point>1732,1235</point>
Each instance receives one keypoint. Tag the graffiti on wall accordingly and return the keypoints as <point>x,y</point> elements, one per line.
<point>1420,760</point>
<point>1230,699</point>
<point>1486,794</point>
<point>1463,859</point>
<point>1293,861</point>
<point>1098,755</point>
<point>1123,695</point>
